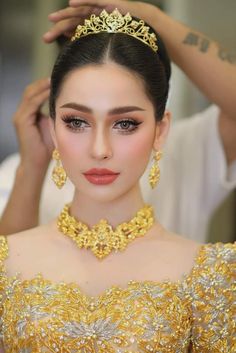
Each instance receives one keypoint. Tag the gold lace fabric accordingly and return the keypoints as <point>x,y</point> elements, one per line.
<point>38,315</point>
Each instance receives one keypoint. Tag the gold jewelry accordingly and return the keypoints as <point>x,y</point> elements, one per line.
<point>58,174</point>
<point>154,175</point>
<point>101,238</point>
<point>115,22</point>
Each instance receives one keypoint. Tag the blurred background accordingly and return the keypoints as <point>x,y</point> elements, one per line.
<point>24,57</point>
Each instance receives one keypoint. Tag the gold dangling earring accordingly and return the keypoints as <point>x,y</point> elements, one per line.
<point>154,175</point>
<point>58,174</point>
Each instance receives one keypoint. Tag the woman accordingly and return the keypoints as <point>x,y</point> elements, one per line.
<point>105,276</point>
<point>215,127</point>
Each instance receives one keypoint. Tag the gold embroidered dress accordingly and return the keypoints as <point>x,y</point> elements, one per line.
<point>199,311</point>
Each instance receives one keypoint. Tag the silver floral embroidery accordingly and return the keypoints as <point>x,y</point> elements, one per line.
<point>25,350</point>
<point>156,292</point>
<point>154,325</point>
<point>209,280</point>
<point>135,294</point>
<point>47,291</point>
<point>150,322</point>
<point>30,314</point>
<point>11,287</point>
<point>104,329</point>
<point>222,252</point>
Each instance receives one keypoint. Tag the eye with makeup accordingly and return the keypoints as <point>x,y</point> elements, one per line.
<point>126,126</point>
<point>75,123</point>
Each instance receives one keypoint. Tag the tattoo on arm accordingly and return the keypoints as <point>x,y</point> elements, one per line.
<point>196,40</point>
<point>226,56</point>
<point>203,44</point>
<point>191,39</point>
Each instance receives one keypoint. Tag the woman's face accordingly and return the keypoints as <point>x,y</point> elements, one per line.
<point>105,130</point>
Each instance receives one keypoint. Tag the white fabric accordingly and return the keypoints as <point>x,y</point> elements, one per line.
<point>194,178</point>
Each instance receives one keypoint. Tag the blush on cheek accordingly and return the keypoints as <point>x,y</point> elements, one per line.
<point>138,149</point>
<point>72,150</point>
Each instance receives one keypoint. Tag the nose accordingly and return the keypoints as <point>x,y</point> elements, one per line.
<point>101,145</point>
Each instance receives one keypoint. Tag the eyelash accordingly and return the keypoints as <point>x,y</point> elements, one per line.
<point>70,121</point>
<point>133,125</point>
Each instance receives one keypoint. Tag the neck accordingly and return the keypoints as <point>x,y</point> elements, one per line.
<point>91,211</point>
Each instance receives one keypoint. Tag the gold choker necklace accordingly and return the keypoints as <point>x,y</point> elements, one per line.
<point>101,238</point>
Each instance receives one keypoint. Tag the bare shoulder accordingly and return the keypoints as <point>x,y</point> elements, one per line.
<point>175,251</point>
<point>184,248</point>
<point>32,251</point>
<point>30,240</point>
<point>179,243</point>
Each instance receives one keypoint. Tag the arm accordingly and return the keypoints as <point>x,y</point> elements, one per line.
<point>198,56</point>
<point>22,209</point>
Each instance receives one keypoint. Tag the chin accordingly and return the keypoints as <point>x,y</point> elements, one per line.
<point>104,194</point>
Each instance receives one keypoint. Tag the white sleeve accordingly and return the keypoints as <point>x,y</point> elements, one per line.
<point>7,176</point>
<point>202,167</point>
<point>195,177</point>
<point>202,149</point>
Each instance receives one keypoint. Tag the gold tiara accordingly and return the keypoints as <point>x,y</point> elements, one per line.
<point>115,22</point>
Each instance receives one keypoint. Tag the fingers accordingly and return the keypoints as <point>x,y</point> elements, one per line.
<point>94,5</point>
<point>64,27</point>
<point>99,3</point>
<point>66,13</point>
<point>29,122</point>
<point>70,12</point>
<point>36,87</point>
<point>27,114</point>
<point>34,97</point>
<point>136,8</point>
<point>44,127</point>
<point>66,20</point>
<point>34,104</point>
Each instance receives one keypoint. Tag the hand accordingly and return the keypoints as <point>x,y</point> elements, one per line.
<point>66,20</point>
<point>32,127</point>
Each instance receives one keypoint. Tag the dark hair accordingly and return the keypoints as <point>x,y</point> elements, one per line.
<point>152,67</point>
<point>61,41</point>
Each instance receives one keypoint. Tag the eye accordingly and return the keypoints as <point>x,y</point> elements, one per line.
<point>75,123</point>
<point>127,125</point>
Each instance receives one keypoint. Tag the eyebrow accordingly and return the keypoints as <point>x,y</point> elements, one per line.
<point>118,110</point>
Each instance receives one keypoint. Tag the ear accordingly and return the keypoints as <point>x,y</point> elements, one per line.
<point>52,131</point>
<point>162,129</point>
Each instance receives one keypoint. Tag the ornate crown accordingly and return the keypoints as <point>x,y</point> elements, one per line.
<point>115,22</point>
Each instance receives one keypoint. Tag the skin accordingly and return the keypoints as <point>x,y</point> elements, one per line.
<point>101,144</point>
<point>35,145</point>
<point>198,56</point>
<point>169,256</point>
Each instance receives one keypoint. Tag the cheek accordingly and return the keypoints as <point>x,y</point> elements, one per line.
<point>136,150</point>
<point>72,147</point>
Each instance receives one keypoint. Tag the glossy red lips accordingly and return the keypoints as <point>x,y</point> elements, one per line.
<point>100,176</point>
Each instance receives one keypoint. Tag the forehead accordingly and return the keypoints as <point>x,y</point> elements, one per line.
<point>106,85</point>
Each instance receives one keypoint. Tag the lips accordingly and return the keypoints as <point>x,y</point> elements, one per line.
<point>100,176</point>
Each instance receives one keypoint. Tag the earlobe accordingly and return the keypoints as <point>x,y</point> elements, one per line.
<point>52,131</point>
<point>162,130</point>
